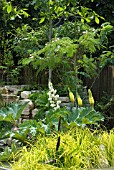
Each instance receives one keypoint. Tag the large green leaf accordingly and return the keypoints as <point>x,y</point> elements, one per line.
<point>12,112</point>
<point>83,116</point>
<point>73,115</point>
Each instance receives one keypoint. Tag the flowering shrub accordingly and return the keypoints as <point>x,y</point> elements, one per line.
<point>53,97</point>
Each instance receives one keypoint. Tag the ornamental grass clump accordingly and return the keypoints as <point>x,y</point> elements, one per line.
<point>79,149</point>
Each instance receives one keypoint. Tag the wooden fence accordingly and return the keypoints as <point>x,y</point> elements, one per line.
<point>103,83</point>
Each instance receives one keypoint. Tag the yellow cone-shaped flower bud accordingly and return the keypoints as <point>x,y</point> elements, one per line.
<point>91,99</point>
<point>71,96</point>
<point>79,100</point>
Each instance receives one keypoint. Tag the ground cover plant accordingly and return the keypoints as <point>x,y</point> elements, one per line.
<point>79,149</point>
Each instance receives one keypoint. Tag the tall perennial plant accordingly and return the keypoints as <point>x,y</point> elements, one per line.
<point>53,97</point>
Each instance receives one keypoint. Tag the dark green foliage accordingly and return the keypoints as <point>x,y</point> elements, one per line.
<point>40,99</point>
<point>105,106</point>
<point>28,26</point>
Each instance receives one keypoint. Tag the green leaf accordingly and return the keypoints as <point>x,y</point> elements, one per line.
<point>9,8</point>
<point>88,20</point>
<point>20,110</point>
<point>97,20</point>
<point>42,20</point>
<point>25,14</point>
<point>26,61</point>
<point>21,137</point>
<point>85,121</point>
<point>82,20</point>
<point>83,116</point>
<point>12,17</point>
<point>12,112</point>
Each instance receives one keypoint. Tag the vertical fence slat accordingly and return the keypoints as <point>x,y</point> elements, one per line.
<point>104,83</point>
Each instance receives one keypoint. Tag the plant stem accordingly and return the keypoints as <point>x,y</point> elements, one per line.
<point>58,141</point>
<point>50,37</point>
<point>75,69</point>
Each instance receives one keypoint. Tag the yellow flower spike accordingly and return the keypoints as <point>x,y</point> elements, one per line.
<point>79,100</point>
<point>91,99</point>
<point>71,96</point>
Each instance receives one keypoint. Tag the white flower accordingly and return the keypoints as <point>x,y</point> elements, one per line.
<point>52,105</point>
<point>49,93</point>
<point>85,32</point>
<point>58,102</point>
<point>57,107</point>
<point>54,91</point>
<point>53,98</point>
<point>50,85</point>
<point>49,98</point>
<point>56,97</point>
<point>93,30</point>
<point>52,102</point>
<point>31,56</point>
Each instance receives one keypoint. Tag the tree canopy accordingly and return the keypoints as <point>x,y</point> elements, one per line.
<point>70,34</point>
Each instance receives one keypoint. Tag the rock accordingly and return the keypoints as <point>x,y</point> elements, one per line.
<point>103,160</point>
<point>4,90</point>
<point>16,91</point>
<point>34,112</point>
<point>28,108</point>
<point>24,120</point>
<point>25,94</point>
<point>34,91</point>
<point>104,163</point>
<point>8,141</point>
<point>65,104</point>
<point>64,99</point>
<point>9,98</point>
<point>12,89</point>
